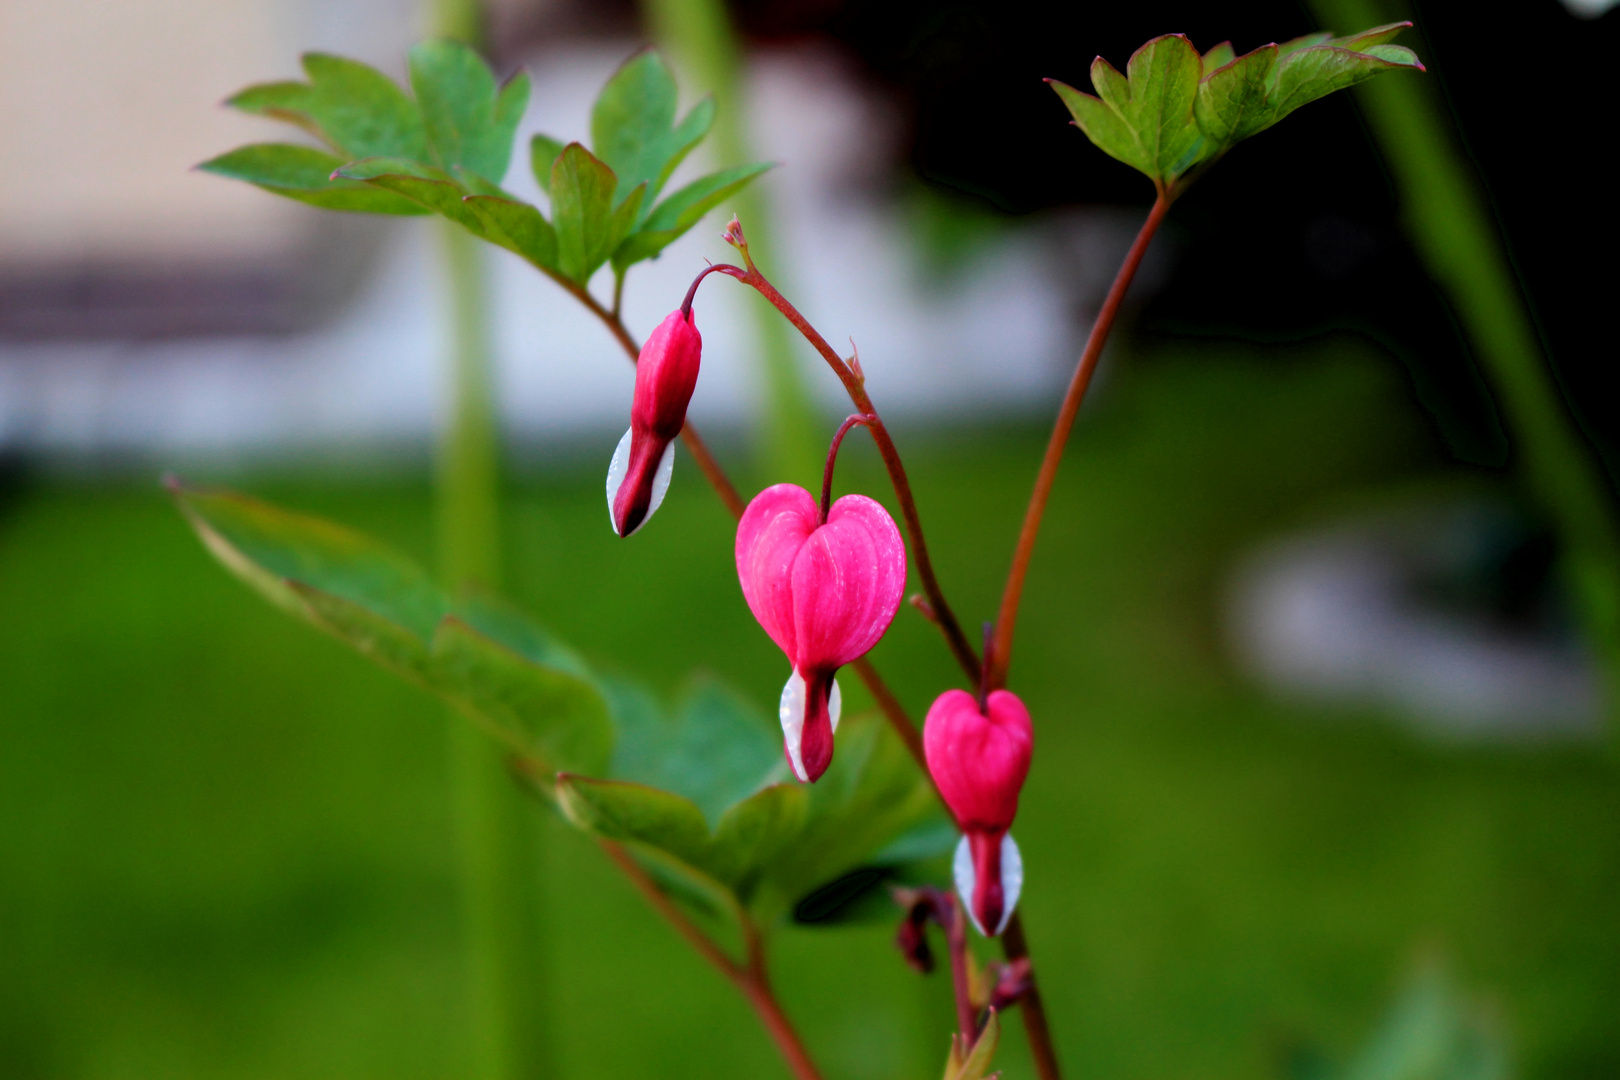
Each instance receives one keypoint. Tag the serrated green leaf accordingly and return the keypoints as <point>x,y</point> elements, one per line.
<point>355,108</point>
<point>1232,100</point>
<point>372,634</point>
<point>627,812</point>
<point>560,716</point>
<point>676,215</point>
<point>1304,41</point>
<point>870,794</point>
<point>469,123</point>
<point>543,151</point>
<point>503,672</point>
<point>290,100</point>
<point>362,110</point>
<point>756,832</point>
<point>1163,79</point>
<point>1144,118</point>
<point>268,546</point>
<point>425,185</point>
<point>518,227</point>
<point>581,211</point>
<point>633,127</point>
<point>1106,129</point>
<point>1378,35</point>
<point>304,173</point>
<point>751,834</point>
<point>714,748</point>
<point>1304,76</point>
<point>1219,57</point>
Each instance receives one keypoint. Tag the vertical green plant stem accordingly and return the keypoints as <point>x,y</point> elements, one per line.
<point>700,36</point>
<point>1449,220</point>
<point>498,835</point>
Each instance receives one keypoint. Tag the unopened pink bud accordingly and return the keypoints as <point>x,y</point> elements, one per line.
<point>666,374</point>
<point>979,759</point>
<point>825,593</point>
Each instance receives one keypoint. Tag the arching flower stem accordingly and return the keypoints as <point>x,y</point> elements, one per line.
<point>1007,617</point>
<point>832,459</point>
<point>855,386</point>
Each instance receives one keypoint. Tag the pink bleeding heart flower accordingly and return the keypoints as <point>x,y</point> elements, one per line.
<point>825,591</point>
<point>979,757</point>
<point>666,374</point>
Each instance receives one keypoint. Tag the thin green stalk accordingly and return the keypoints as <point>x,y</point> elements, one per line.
<point>498,834</point>
<point>1450,221</point>
<point>497,831</point>
<point>699,35</point>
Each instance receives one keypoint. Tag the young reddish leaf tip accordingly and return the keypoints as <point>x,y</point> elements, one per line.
<point>825,593</point>
<point>666,375</point>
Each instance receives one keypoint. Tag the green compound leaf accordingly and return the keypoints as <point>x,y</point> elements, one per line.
<point>676,215</point>
<point>714,747</point>
<point>543,153</point>
<point>750,834</point>
<point>1232,99</point>
<point>589,226</point>
<point>1145,117</point>
<point>1174,110</point>
<point>499,669</point>
<point>353,107</point>
<point>562,718</point>
<point>469,123</point>
<point>518,227</point>
<point>474,203</point>
<point>304,173</point>
<point>633,128</point>
<point>1219,56</point>
<point>872,793</point>
<point>1253,92</point>
<point>1305,75</point>
<point>704,789</point>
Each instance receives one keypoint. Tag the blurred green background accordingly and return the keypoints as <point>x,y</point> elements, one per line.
<point>226,844</point>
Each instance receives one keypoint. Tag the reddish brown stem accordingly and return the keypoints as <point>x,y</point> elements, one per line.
<point>1041,1048</point>
<point>892,710</point>
<point>750,978</point>
<point>1007,618</point>
<point>855,386</point>
<point>967,1020</point>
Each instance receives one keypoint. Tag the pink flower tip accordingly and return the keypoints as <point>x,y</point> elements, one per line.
<point>825,593</point>
<point>979,760</point>
<point>666,375</point>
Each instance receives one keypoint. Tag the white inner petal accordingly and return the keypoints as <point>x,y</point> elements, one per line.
<point>966,880</point>
<point>620,466</point>
<point>616,470</point>
<point>666,469</point>
<point>791,713</point>
<point>1012,879</point>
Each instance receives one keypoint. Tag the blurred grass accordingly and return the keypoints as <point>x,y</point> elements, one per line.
<point>225,840</point>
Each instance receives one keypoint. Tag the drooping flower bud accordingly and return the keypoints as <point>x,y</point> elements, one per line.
<point>666,375</point>
<point>825,591</point>
<point>979,758</point>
